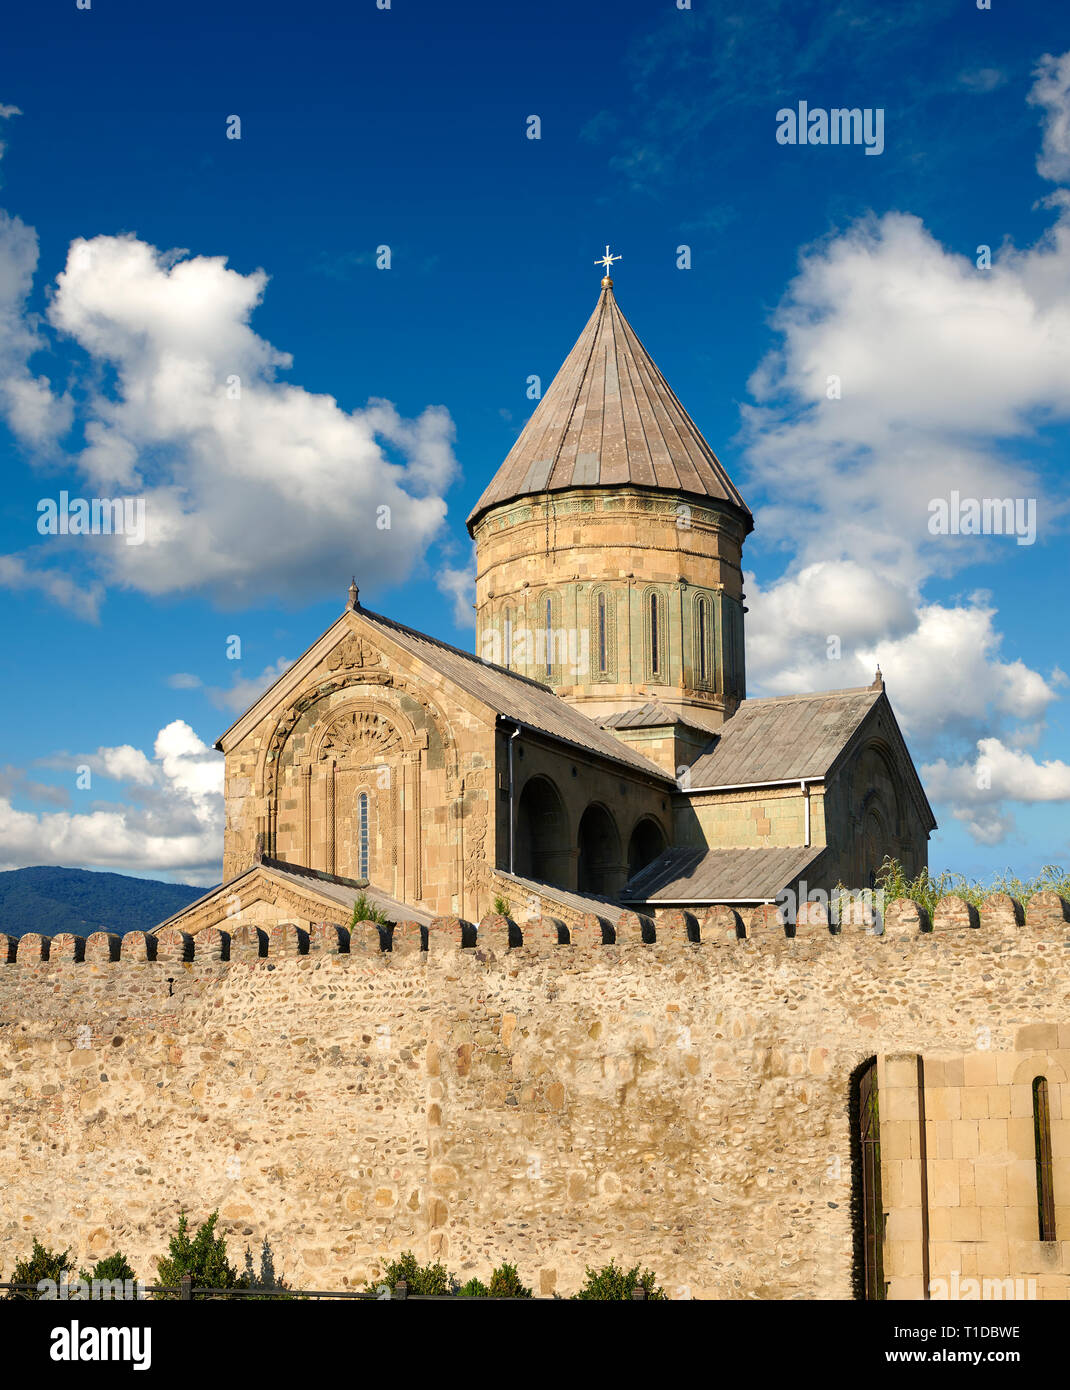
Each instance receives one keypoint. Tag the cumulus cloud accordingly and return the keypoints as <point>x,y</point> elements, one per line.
<point>904,372</point>
<point>32,407</point>
<point>1051,92</point>
<point>83,600</point>
<point>252,487</point>
<point>171,820</point>
<point>459,583</point>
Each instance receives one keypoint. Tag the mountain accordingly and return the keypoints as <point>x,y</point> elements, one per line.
<point>50,900</point>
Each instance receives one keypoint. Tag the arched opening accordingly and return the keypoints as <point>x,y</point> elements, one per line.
<point>1042,1143</point>
<point>600,867</point>
<point>867,1204</point>
<point>542,842</point>
<point>646,843</point>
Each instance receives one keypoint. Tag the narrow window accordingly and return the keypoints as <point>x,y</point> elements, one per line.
<point>549,638</point>
<point>869,1233</point>
<point>655,665</point>
<point>702,628</point>
<point>507,635</point>
<point>1042,1139</point>
<point>362,833</point>
<point>602,654</point>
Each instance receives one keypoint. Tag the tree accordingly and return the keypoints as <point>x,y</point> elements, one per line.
<point>505,1283</point>
<point>613,1285</point>
<point>42,1264</point>
<point>204,1259</point>
<point>111,1269</point>
<point>423,1279</point>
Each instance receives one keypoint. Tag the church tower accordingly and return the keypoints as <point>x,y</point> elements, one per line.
<point>609,542</point>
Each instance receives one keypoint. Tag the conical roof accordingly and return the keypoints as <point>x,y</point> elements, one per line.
<point>609,419</point>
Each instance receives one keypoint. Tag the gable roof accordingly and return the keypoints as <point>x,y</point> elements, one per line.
<point>316,884</point>
<point>608,419</point>
<point>514,697</point>
<point>784,738</point>
<point>655,715</point>
<point>695,875</point>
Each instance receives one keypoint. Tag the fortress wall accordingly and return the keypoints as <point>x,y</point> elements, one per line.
<point>676,1103</point>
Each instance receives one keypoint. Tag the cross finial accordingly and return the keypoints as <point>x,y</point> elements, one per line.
<point>354,594</point>
<point>607,261</point>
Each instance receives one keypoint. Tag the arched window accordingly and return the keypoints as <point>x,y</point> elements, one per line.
<point>601,634</point>
<point>654,622</point>
<point>603,642</point>
<point>507,638</point>
<point>868,1203</point>
<point>362,834</point>
<point>1042,1140</point>
<point>703,641</point>
<point>549,637</point>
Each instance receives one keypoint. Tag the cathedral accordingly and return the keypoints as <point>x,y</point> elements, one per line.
<point>598,751</point>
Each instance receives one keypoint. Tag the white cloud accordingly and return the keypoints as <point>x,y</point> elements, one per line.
<point>29,403</point>
<point>171,822</point>
<point>243,692</point>
<point>977,791</point>
<point>245,498</point>
<point>82,600</point>
<point>460,585</point>
<point>1051,91</point>
<point>939,364</point>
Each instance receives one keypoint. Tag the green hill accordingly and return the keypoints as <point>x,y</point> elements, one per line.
<point>51,900</point>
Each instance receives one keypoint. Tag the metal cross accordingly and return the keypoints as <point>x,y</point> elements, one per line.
<point>607,260</point>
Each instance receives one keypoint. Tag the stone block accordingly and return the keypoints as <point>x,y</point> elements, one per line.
<point>67,946</point>
<point>905,917</point>
<point>173,945</point>
<point>497,933</point>
<point>407,939</point>
<point>137,946</point>
<point>33,946</point>
<point>592,930</point>
<point>365,939</point>
<point>326,938</point>
<point>1037,1037</point>
<point>953,912</point>
<point>1000,913</point>
<point>287,939</point>
<point>544,931</point>
<point>103,946</point>
<point>673,924</point>
<point>210,944</point>
<point>639,929</point>
<point>248,942</point>
<point>720,922</point>
<point>1047,911</point>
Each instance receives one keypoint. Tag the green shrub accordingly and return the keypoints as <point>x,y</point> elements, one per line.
<point>501,906</point>
<point>204,1259</point>
<point>366,911</point>
<point>425,1279</point>
<point>505,1283</point>
<point>475,1288</point>
<point>613,1285</point>
<point>109,1269</point>
<point>41,1264</point>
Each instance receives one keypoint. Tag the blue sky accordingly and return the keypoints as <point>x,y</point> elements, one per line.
<point>146,259</point>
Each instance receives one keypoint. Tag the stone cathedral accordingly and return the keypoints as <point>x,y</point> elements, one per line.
<point>598,750</point>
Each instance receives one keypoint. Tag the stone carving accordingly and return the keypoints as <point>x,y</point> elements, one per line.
<point>352,652</point>
<point>359,737</point>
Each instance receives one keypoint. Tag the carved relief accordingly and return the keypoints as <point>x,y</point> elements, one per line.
<point>358,737</point>
<point>352,651</point>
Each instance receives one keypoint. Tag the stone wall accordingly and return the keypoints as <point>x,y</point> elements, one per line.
<point>679,1102</point>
